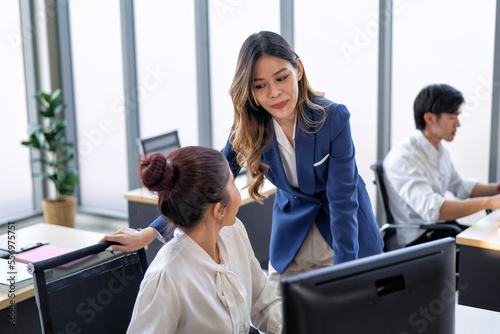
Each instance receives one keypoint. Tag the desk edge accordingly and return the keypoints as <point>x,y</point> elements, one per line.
<point>20,295</point>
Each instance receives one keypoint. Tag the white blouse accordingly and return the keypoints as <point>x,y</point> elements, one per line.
<point>287,152</point>
<point>184,291</point>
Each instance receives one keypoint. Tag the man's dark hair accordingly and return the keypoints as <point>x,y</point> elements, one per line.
<point>436,99</point>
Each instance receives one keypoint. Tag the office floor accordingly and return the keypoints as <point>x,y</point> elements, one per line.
<point>83,221</point>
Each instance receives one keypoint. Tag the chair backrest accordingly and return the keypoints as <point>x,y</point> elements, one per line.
<point>89,290</point>
<point>389,235</point>
<point>163,144</point>
<point>378,169</point>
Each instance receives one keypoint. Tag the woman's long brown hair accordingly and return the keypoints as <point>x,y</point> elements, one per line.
<point>251,128</point>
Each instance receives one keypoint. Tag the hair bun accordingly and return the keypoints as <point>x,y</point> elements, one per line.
<point>156,172</point>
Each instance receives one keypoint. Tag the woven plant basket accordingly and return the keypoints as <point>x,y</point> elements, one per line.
<point>61,212</point>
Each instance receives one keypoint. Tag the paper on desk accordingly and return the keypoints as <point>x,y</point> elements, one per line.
<point>21,244</point>
<point>17,271</point>
<point>42,253</point>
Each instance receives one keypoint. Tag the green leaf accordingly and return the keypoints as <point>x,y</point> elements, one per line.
<point>34,128</point>
<point>58,125</point>
<point>51,177</point>
<point>64,160</point>
<point>42,96</point>
<point>33,142</point>
<point>59,109</point>
<point>56,95</point>
<point>49,113</point>
<point>66,179</point>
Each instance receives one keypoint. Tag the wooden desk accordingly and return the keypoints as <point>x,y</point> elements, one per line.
<point>26,311</point>
<point>479,264</point>
<point>142,210</point>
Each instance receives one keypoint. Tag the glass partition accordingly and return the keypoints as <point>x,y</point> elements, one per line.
<point>166,66</point>
<point>99,104</point>
<point>231,22</point>
<point>338,44</point>
<point>448,42</point>
<point>16,192</point>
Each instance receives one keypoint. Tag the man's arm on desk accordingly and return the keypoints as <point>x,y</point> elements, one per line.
<point>454,209</point>
<point>481,190</point>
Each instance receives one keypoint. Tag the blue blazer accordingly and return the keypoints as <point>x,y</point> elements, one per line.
<point>331,193</point>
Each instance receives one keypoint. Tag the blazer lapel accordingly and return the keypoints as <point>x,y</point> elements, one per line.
<point>304,156</point>
<point>276,173</point>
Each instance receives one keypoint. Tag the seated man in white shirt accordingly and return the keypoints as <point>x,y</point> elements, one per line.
<point>419,171</point>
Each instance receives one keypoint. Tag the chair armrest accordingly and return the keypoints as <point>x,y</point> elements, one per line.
<point>430,227</point>
<point>441,227</point>
<point>398,226</point>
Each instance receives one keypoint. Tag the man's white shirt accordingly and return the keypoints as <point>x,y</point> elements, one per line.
<point>417,177</point>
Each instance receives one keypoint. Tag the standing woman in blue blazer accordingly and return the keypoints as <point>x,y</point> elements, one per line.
<point>300,141</point>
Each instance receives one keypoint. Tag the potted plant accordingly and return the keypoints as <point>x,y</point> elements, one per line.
<point>49,138</point>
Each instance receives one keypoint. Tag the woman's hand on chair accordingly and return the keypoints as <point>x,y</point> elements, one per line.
<point>130,239</point>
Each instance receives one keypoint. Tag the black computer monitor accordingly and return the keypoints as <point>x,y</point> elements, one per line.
<point>410,290</point>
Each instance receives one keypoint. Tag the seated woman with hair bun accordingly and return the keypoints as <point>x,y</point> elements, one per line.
<point>206,279</point>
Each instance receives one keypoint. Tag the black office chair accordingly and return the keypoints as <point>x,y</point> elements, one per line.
<point>163,144</point>
<point>89,290</point>
<point>389,228</point>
